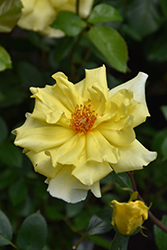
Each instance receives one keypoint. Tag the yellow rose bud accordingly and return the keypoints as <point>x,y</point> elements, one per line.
<point>128,216</point>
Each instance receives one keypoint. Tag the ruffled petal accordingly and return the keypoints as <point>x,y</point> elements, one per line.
<point>68,188</point>
<point>120,137</point>
<point>90,172</point>
<point>133,157</point>
<point>66,92</point>
<point>37,136</point>
<point>99,149</point>
<point>94,77</point>
<point>69,152</point>
<point>42,164</point>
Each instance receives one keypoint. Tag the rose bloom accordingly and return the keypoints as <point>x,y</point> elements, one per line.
<point>128,216</point>
<point>38,15</point>
<point>77,134</point>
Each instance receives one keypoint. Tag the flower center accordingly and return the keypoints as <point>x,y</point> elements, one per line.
<point>83,118</point>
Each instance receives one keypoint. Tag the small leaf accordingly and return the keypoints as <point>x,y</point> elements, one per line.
<point>10,11</point>
<point>103,13</point>
<point>119,242</point>
<point>5,230</point>
<point>111,45</point>
<point>69,23</point>
<point>3,129</point>
<point>33,232</point>
<point>122,179</point>
<point>10,155</point>
<point>160,236</point>
<point>5,60</point>
<point>98,226</point>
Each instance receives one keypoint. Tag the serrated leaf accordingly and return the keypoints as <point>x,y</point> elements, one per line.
<point>103,13</point>
<point>5,60</point>
<point>5,230</point>
<point>69,23</point>
<point>33,232</point>
<point>3,129</point>
<point>160,236</point>
<point>10,11</point>
<point>17,192</point>
<point>111,45</point>
<point>10,155</point>
<point>122,179</point>
<point>143,16</point>
<point>119,242</point>
<point>98,226</point>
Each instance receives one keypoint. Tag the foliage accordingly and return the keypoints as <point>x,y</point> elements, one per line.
<point>126,36</point>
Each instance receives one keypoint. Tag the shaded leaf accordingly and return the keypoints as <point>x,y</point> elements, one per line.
<point>5,60</point>
<point>10,11</point>
<point>164,149</point>
<point>5,230</point>
<point>103,13</point>
<point>119,242</point>
<point>10,155</point>
<point>69,23</point>
<point>122,179</point>
<point>33,232</point>
<point>17,192</point>
<point>164,6</point>
<point>3,129</point>
<point>164,111</point>
<point>160,236</point>
<point>111,45</point>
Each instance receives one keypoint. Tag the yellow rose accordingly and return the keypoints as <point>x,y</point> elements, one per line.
<point>78,133</point>
<point>128,216</point>
<point>37,15</point>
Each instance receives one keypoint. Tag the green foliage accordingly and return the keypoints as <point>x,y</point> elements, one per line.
<point>119,242</point>
<point>10,11</point>
<point>111,45</point>
<point>5,60</point>
<point>160,236</point>
<point>103,13</point>
<point>5,230</point>
<point>33,232</point>
<point>69,22</point>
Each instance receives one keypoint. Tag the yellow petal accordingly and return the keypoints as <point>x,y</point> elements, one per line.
<point>85,7</point>
<point>133,157</point>
<point>121,137</point>
<point>68,188</point>
<point>90,172</point>
<point>37,15</point>
<point>94,77</point>
<point>47,107</point>
<point>69,152</point>
<point>42,164</point>
<point>66,91</point>
<point>99,149</point>
<point>36,135</point>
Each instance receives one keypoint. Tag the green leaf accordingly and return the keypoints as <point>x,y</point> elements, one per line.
<point>103,13</point>
<point>158,140</point>
<point>98,240</point>
<point>160,236</point>
<point>98,225</point>
<point>3,129</point>
<point>5,230</point>
<point>164,7</point>
<point>73,209</point>
<point>111,45</point>
<point>164,111</point>
<point>119,242</point>
<point>10,11</point>
<point>33,232</point>
<point>164,149</point>
<point>5,60</point>
<point>143,16</point>
<point>122,179</point>
<point>17,192</point>
<point>10,155</point>
<point>69,23</point>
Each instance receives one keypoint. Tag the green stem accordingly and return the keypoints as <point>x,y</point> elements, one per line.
<point>151,216</point>
<point>79,241</point>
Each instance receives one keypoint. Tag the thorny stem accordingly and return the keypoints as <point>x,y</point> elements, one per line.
<point>151,216</point>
